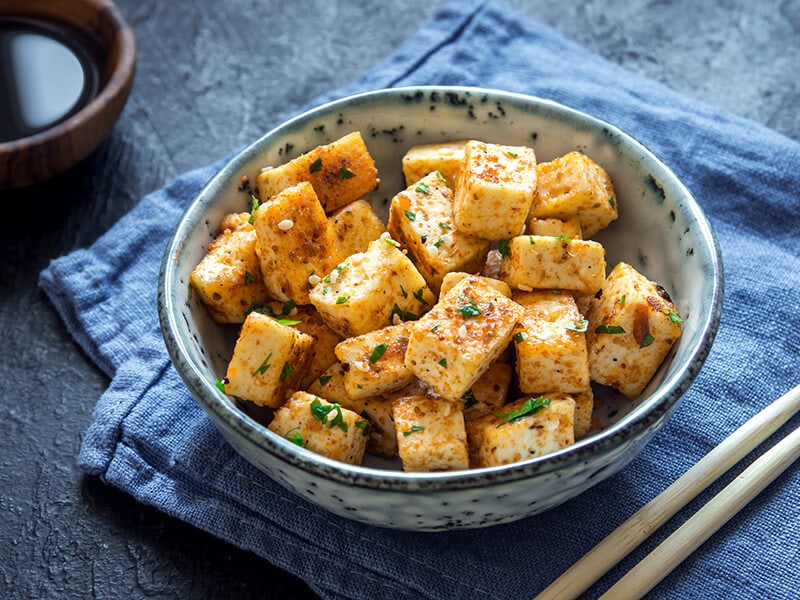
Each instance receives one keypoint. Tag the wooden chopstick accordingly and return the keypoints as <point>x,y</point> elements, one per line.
<point>594,564</point>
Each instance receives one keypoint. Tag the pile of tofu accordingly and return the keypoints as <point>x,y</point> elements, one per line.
<point>464,332</point>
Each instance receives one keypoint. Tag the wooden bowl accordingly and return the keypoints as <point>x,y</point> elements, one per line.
<point>41,155</point>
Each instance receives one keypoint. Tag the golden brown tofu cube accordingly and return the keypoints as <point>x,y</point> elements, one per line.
<point>550,344</point>
<point>370,290</point>
<point>574,186</point>
<point>545,262</point>
<point>523,429</point>
<point>453,344</point>
<point>494,190</point>
<point>228,278</point>
<point>633,324</point>
<point>373,362</point>
<point>489,393</point>
<point>354,226</point>
<point>584,405</point>
<point>421,219</point>
<point>381,440</point>
<point>323,427</point>
<point>443,157</point>
<point>451,279</point>
<point>430,434</point>
<point>268,361</point>
<point>340,172</point>
<point>294,243</point>
<point>554,227</point>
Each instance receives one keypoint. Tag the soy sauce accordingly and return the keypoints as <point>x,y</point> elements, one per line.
<point>48,72</point>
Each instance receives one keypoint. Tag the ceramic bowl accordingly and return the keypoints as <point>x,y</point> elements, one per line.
<point>101,36</point>
<point>661,230</point>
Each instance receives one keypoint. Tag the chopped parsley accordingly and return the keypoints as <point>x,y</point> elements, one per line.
<point>440,177</point>
<point>564,239</point>
<point>342,299</point>
<point>315,166</point>
<point>444,225</point>
<point>434,328</point>
<point>254,204</point>
<point>321,412</point>
<point>673,316</point>
<point>189,290</point>
<point>403,314</point>
<point>262,368</point>
<point>220,385</point>
<point>420,298</point>
<point>248,278</point>
<point>612,202</point>
<point>469,399</point>
<point>364,427</point>
<point>603,328</point>
<point>531,240</point>
<point>512,154</point>
<point>286,371</point>
<point>622,299</point>
<point>296,438</point>
<point>377,352</point>
<point>423,188</point>
<point>520,337</point>
<point>438,242</point>
<point>502,247</point>
<point>324,379</point>
<point>529,407</point>
<point>648,339</point>
<point>411,216</point>
<point>345,173</point>
<point>403,292</point>
<point>580,325</point>
<point>414,429</point>
<point>471,309</point>
<point>443,362</point>
<point>288,322</point>
<point>263,307</point>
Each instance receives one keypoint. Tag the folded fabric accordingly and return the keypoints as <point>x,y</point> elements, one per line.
<point>150,438</point>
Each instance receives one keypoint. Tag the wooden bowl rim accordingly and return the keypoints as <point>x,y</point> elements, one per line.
<point>121,46</point>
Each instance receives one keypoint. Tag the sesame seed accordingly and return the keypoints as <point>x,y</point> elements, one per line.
<point>267,168</point>
<point>361,366</point>
<point>462,332</point>
<point>286,225</point>
<point>524,288</point>
<point>433,251</point>
<point>314,280</point>
<point>396,320</point>
<point>333,277</point>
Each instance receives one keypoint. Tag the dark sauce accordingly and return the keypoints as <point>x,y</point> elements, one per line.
<point>48,72</point>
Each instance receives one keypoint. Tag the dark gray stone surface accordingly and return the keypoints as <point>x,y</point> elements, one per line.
<point>213,76</point>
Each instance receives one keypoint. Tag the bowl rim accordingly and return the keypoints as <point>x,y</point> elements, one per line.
<point>112,28</point>
<point>645,415</point>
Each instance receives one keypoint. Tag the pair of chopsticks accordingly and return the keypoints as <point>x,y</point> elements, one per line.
<point>697,529</point>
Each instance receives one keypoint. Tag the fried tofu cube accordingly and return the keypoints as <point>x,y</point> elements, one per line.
<point>489,392</point>
<point>340,172</point>
<point>354,226</point>
<point>370,290</point>
<point>421,219</point>
<point>451,279</point>
<point>294,242</point>
<point>633,324</point>
<point>525,429</point>
<point>555,227</point>
<point>545,262</point>
<point>430,434</point>
<point>228,278</point>
<point>584,405</point>
<point>456,342</point>
<point>494,190</point>
<point>373,362</point>
<point>550,344</point>
<point>443,157</point>
<point>574,186</point>
<point>268,361</point>
<point>323,427</point>
<point>381,440</point>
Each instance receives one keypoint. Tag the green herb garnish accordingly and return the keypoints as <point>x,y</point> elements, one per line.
<point>288,322</point>
<point>345,173</point>
<point>254,204</point>
<point>580,326</point>
<point>423,188</point>
<point>220,385</point>
<point>469,399</point>
<point>262,368</point>
<point>603,328</point>
<point>410,215</point>
<point>248,278</point>
<point>286,371</point>
<point>296,438</point>
<point>520,337</point>
<point>444,225</point>
<point>420,298</point>
<point>529,407</point>
<point>673,316</point>
<point>564,239</point>
<point>502,247</point>
<point>377,352</point>
<point>342,299</point>
<point>648,339</point>
<point>324,379</point>
<point>414,429</point>
<point>320,412</point>
<point>612,202</point>
<point>471,309</point>
<point>443,362</point>
<point>315,166</point>
<point>403,314</point>
<point>364,427</point>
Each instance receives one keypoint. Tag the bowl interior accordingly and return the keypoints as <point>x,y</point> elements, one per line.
<point>661,230</point>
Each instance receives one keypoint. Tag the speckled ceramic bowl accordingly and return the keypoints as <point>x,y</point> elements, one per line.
<point>661,230</point>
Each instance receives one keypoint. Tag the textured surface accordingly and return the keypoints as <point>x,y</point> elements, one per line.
<point>212,77</point>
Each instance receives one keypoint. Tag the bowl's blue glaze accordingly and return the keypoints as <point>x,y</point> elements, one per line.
<point>661,231</point>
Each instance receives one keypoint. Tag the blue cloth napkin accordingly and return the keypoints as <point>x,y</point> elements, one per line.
<point>152,440</point>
